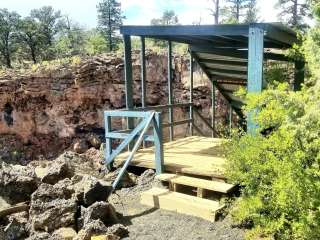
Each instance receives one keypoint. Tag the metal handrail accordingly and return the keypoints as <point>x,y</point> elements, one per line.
<point>134,150</point>
<point>205,122</point>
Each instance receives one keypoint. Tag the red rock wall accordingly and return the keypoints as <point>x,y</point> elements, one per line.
<point>43,112</point>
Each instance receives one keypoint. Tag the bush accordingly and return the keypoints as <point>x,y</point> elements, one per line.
<point>279,170</point>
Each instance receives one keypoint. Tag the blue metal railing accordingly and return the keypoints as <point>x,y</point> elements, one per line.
<point>134,136</point>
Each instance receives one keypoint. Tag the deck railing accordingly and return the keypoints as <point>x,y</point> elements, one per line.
<point>150,117</point>
<point>171,122</point>
<point>130,137</point>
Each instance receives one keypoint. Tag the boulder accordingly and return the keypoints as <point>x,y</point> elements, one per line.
<point>58,170</point>
<point>99,211</point>
<point>15,230</point>
<point>17,183</point>
<point>52,207</point>
<point>64,234</point>
<point>95,227</point>
<point>40,236</point>
<point>146,177</point>
<point>128,180</point>
<point>90,190</point>
<point>118,230</point>
<point>94,141</point>
<point>80,146</point>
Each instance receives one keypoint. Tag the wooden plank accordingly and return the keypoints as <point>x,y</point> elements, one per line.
<point>194,155</point>
<point>201,193</point>
<point>181,203</point>
<point>215,186</point>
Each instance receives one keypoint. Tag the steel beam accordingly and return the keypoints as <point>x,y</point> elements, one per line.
<point>213,106</point>
<point>191,95</point>
<point>255,67</point>
<point>128,80</point>
<point>143,72</point>
<point>238,54</point>
<point>186,30</point>
<point>170,93</point>
<point>279,35</point>
<point>158,143</point>
<point>108,129</point>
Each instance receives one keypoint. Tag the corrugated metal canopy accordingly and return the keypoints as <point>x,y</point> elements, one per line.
<point>221,50</point>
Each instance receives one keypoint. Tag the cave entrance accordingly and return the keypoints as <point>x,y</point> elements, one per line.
<point>7,114</point>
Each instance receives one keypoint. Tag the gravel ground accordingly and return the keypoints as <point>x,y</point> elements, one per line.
<point>145,223</point>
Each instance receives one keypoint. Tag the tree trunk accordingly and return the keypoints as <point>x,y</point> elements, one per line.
<point>217,12</point>
<point>109,29</point>
<point>295,13</point>
<point>33,55</point>
<point>238,12</point>
<point>8,60</point>
<point>7,54</point>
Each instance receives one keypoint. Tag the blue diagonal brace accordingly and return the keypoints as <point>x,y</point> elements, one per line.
<point>125,142</point>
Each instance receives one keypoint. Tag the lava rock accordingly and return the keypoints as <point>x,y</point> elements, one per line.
<point>118,230</point>
<point>95,227</point>
<point>127,179</point>
<point>94,141</point>
<point>15,230</point>
<point>39,236</point>
<point>146,177</point>
<point>17,183</point>
<point>90,190</point>
<point>57,171</point>
<point>52,207</point>
<point>64,234</point>
<point>80,146</point>
<point>99,211</point>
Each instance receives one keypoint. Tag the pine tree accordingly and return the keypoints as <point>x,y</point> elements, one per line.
<point>235,9</point>
<point>252,12</point>
<point>8,35</point>
<point>294,12</point>
<point>109,20</point>
<point>31,37</point>
<point>169,17</point>
<point>215,11</point>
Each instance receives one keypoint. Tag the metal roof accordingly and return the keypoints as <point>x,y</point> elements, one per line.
<point>221,50</point>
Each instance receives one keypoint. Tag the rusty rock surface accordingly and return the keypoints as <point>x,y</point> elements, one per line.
<point>17,182</point>
<point>46,111</point>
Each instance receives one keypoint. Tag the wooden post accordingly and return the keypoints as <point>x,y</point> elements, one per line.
<point>158,143</point>
<point>255,66</point>
<point>191,95</point>
<point>143,72</point>
<point>170,98</point>
<point>213,106</point>
<point>298,75</point>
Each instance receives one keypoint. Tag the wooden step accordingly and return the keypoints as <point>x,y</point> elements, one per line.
<point>198,183</point>
<point>181,203</point>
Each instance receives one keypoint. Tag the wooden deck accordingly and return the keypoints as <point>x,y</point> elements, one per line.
<point>194,155</point>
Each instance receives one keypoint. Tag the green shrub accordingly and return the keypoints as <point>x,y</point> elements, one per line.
<point>279,170</point>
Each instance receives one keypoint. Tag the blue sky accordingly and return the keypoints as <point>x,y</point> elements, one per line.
<point>138,12</point>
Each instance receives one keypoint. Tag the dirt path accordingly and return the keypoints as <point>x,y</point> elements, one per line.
<point>146,223</point>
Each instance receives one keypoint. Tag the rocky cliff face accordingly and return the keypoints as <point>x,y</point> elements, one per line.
<point>44,112</point>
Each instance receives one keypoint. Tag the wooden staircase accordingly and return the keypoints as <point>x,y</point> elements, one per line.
<point>188,195</point>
